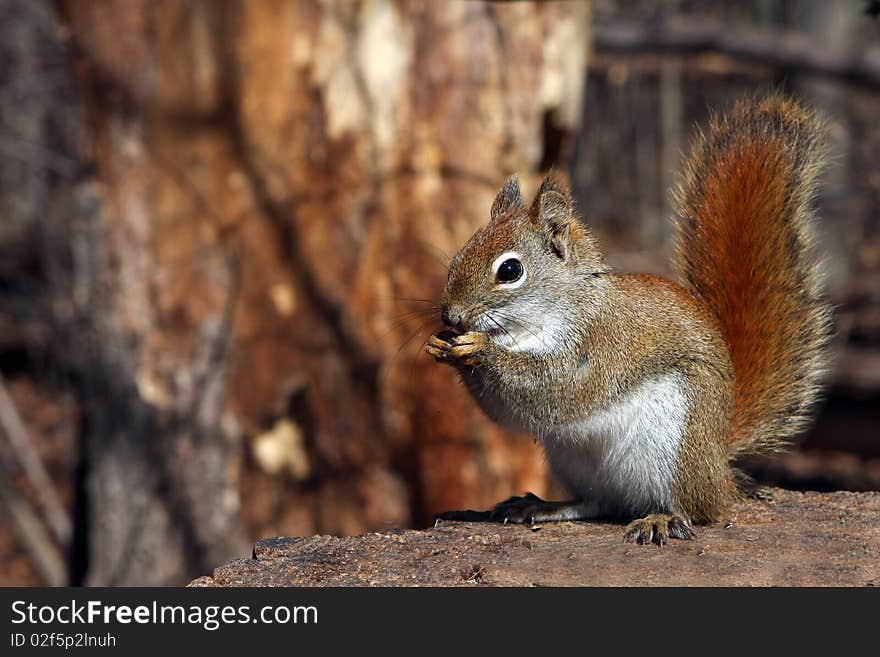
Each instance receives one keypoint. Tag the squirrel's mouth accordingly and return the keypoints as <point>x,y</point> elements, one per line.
<point>497,326</point>
<point>488,325</point>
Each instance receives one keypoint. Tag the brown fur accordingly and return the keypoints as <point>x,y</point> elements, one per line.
<point>745,239</point>
<point>667,328</point>
<point>745,335</point>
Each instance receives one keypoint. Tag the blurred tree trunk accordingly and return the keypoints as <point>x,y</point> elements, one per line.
<point>280,186</point>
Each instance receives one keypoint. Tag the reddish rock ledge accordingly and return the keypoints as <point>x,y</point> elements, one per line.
<point>793,539</point>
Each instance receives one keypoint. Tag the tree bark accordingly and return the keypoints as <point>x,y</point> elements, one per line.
<point>281,185</point>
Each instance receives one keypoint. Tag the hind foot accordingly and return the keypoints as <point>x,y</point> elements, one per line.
<point>657,528</point>
<point>530,509</point>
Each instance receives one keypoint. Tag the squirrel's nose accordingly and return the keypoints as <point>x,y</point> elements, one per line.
<point>450,319</point>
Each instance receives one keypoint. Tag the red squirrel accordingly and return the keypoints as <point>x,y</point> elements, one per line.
<point>643,392</point>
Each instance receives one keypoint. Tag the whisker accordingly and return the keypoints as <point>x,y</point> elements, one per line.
<point>523,326</point>
<point>517,320</point>
<point>522,323</point>
<point>418,330</point>
<point>419,312</point>
<point>489,316</point>
<point>438,249</point>
<point>487,311</point>
<point>421,323</point>
<point>402,321</point>
<point>393,361</point>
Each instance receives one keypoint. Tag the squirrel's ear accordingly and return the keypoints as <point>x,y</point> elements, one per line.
<point>553,211</point>
<point>508,198</point>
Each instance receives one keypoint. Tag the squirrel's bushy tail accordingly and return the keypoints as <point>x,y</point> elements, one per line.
<point>745,247</point>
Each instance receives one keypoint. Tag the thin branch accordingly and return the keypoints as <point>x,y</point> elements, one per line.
<point>32,533</point>
<point>33,467</point>
<point>785,49</point>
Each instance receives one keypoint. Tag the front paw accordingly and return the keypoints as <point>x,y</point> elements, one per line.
<point>439,345</point>
<point>467,346</point>
<point>447,346</point>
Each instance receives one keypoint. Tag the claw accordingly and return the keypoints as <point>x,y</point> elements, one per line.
<point>657,528</point>
<point>466,346</point>
<point>446,346</point>
<point>529,509</point>
<point>438,345</point>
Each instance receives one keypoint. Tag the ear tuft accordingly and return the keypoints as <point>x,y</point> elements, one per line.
<point>552,183</point>
<point>552,212</point>
<point>554,209</point>
<point>509,198</point>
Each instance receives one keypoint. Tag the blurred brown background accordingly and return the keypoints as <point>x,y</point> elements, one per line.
<point>225,224</point>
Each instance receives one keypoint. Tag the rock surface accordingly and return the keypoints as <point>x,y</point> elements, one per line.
<point>793,539</point>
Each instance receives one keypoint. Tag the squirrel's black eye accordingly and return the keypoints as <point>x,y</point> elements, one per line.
<point>509,271</point>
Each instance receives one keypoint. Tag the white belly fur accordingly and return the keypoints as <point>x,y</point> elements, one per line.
<point>622,460</point>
